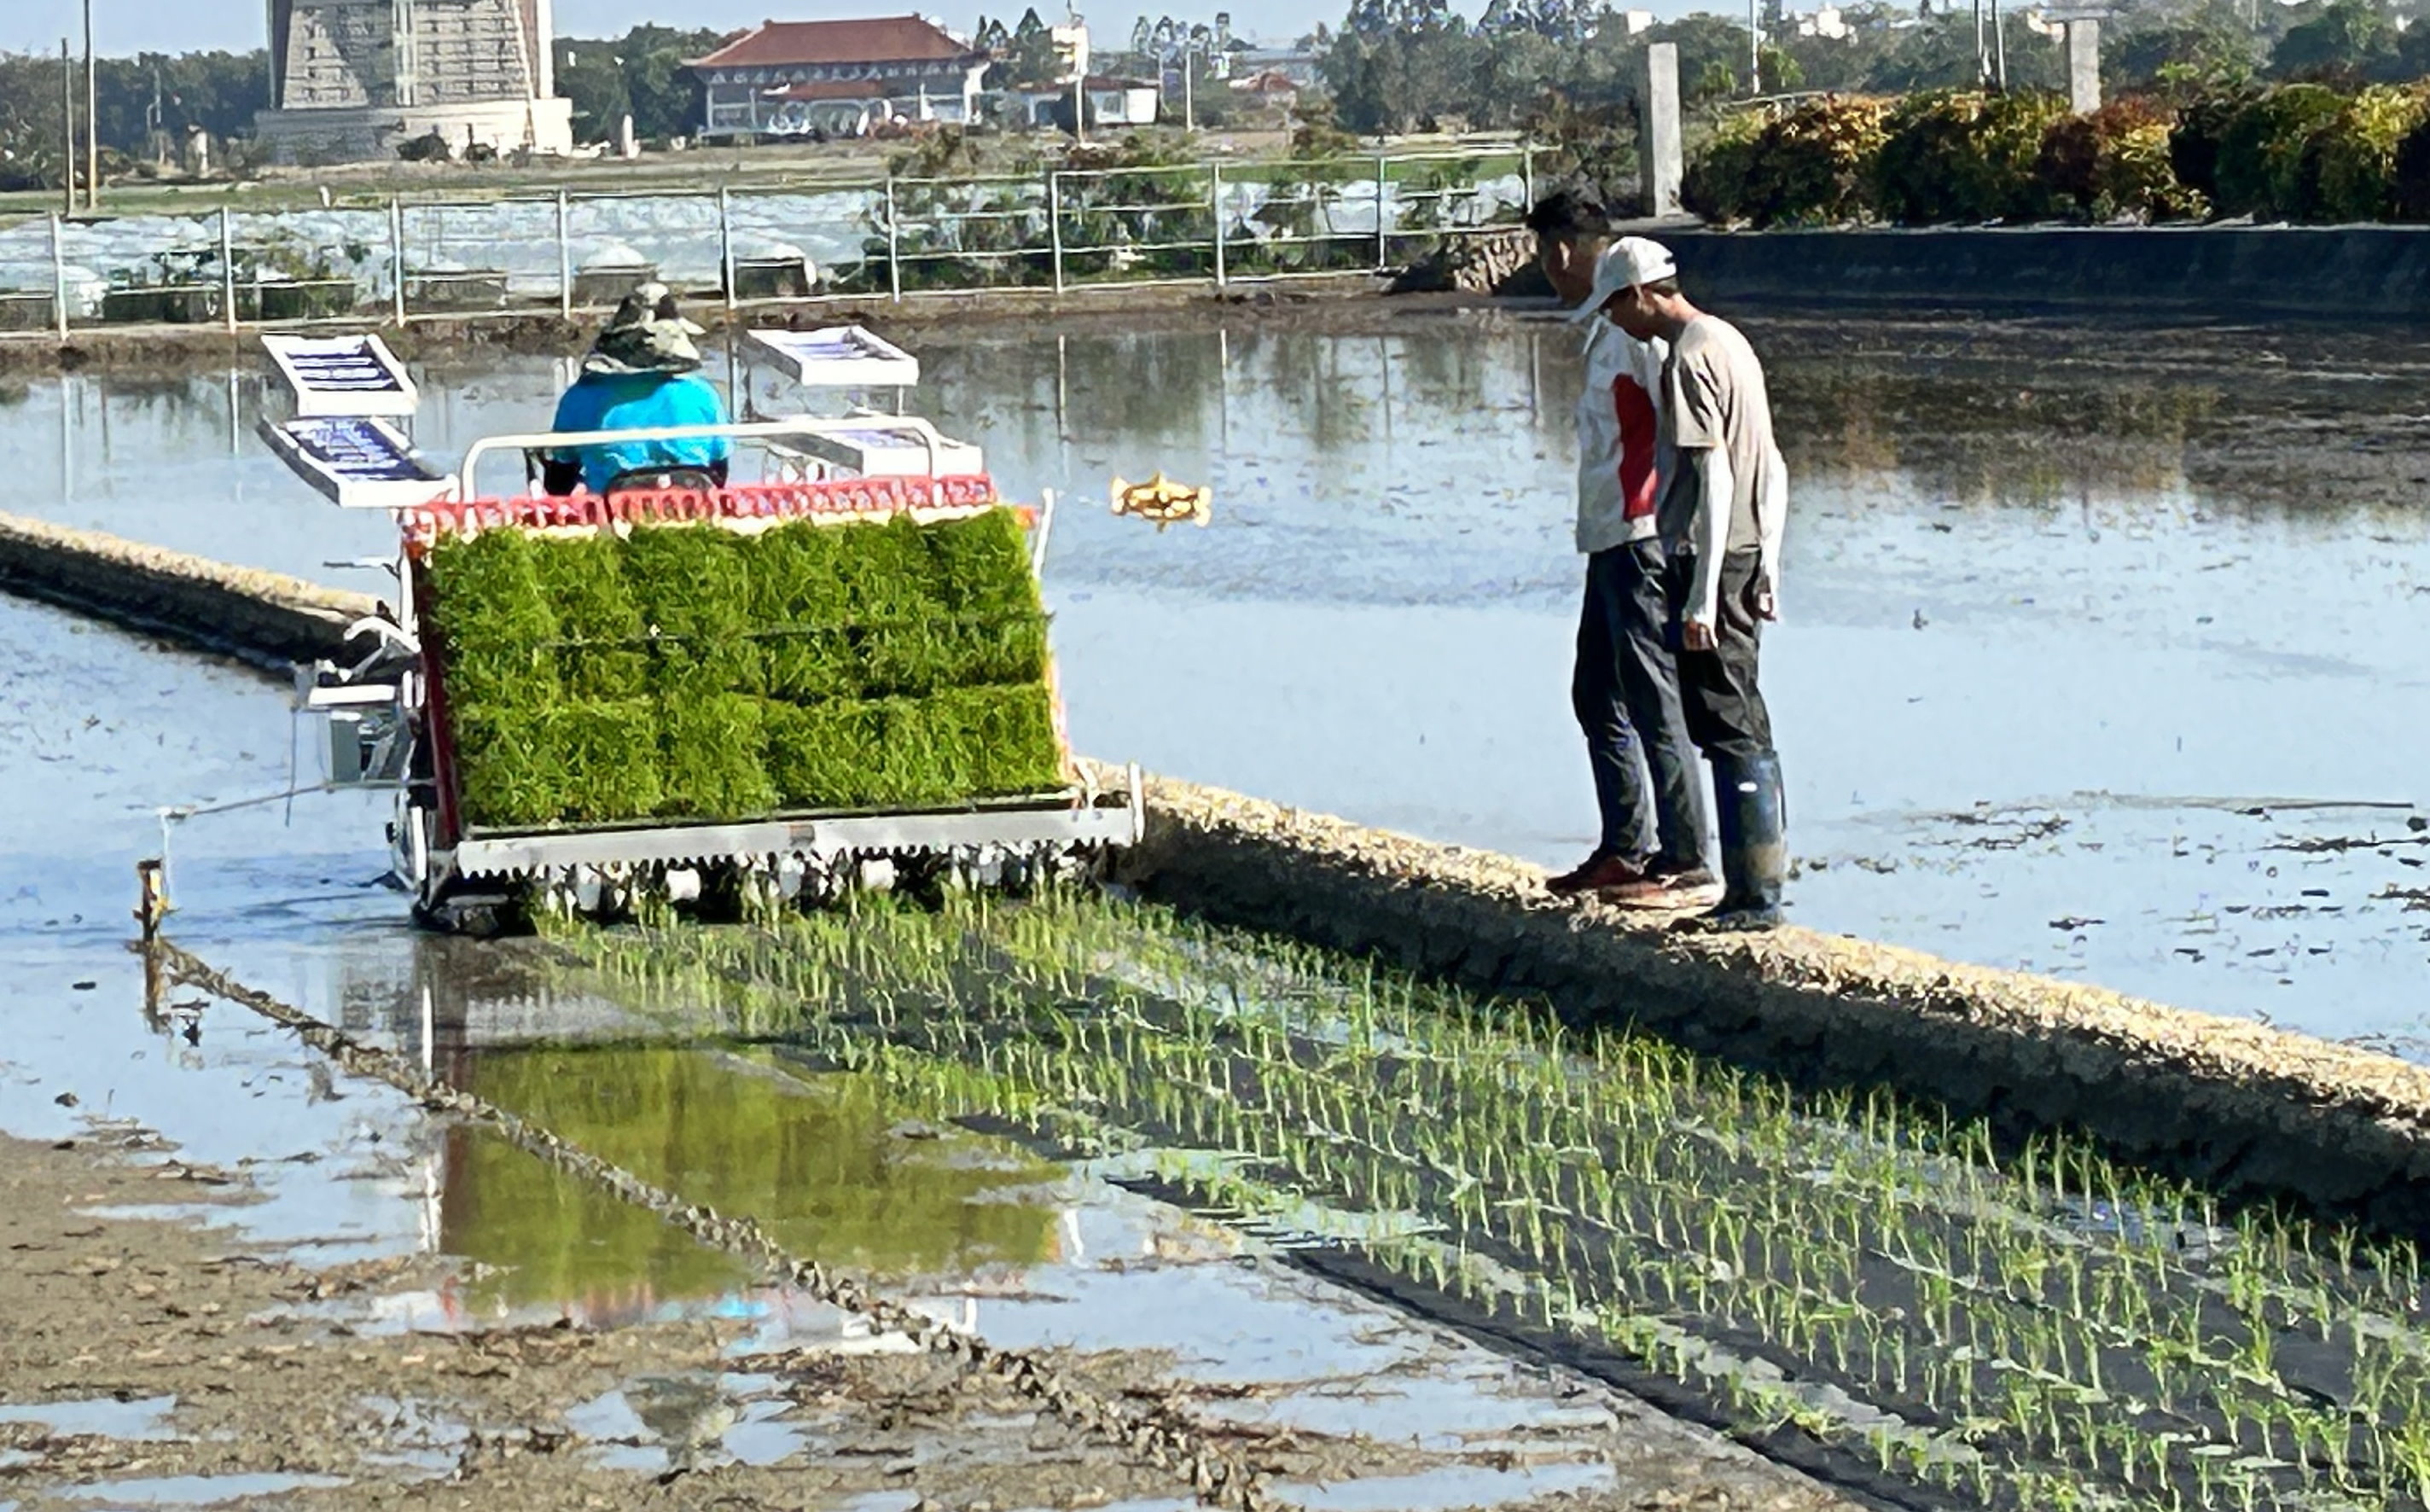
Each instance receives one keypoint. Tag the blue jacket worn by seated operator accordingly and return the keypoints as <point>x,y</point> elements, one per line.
<point>637,400</point>
<point>639,375</point>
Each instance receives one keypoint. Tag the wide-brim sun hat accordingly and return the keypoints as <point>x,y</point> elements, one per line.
<point>647,334</point>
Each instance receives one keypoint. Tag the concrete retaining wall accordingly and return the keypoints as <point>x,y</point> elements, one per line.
<point>2250,1109</point>
<point>2351,272</point>
<point>258,617</point>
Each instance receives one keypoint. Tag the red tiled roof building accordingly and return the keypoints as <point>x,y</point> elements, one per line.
<point>790,77</point>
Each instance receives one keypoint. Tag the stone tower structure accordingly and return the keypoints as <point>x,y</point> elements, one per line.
<point>356,80</point>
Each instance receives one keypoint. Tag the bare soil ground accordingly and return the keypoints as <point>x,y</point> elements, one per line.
<point>281,1399</point>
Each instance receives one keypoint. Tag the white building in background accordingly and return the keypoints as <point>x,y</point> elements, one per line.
<point>354,79</point>
<point>1826,21</point>
<point>1113,101</point>
<point>838,77</point>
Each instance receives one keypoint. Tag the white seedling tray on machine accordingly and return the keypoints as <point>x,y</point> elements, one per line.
<point>341,376</point>
<point>356,462</point>
<point>893,448</point>
<point>344,391</point>
<point>840,356</point>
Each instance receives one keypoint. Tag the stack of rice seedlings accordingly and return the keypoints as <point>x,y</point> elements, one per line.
<point>693,672</point>
<point>910,658</point>
<point>982,565</point>
<point>602,737</point>
<point>926,753</point>
<point>937,677</point>
<point>507,756</point>
<point>826,754</point>
<point>887,572</point>
<point>799,604</point>
<point>603,651</point>
<point>605,751</point>
<point>497,637</point>
<point>715,748</point>
<point>914,752</point>
<point>997,740</point>
<point>693,584</point>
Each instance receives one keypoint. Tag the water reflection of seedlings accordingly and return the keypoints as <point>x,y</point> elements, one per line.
<point>816,1165</point>
<point>2047,1330</point>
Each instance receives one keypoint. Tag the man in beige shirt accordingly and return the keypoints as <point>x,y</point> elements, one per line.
<point>1723,501</point>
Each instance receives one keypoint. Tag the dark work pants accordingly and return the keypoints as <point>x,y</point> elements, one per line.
<point>1717,689</point>
<point>1625,692</point>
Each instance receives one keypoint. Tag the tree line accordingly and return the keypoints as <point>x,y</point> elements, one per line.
<point>141,101</point>
<point>1557,66</point>
<point>1401,65</point>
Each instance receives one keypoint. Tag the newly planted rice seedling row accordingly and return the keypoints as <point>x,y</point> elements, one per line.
<point>2046,1330</point>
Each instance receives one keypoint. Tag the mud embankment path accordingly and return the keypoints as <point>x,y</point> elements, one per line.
<point>2250,1110</point>
<point>1347,305</point>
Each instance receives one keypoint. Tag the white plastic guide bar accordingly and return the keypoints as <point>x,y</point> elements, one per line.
<point>1045,534</point>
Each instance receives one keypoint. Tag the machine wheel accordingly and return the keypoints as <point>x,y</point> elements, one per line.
<point>474,915</point>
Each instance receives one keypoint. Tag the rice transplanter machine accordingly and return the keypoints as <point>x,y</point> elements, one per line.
<point>348,433</point>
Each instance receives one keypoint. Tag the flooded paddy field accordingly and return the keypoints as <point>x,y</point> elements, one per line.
<point>1397,1247</point>
<point>1864,1287</point>
<point>238,1273</point>
<point>2101,661</point>
<point>2100,657</point>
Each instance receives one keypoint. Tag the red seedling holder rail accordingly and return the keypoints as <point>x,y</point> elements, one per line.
<point>835,499</point>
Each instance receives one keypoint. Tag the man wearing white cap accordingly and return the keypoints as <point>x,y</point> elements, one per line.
<point>1624,687</point>
<point>1723,501</point>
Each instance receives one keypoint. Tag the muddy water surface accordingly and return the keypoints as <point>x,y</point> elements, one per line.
<point>2101,657</point>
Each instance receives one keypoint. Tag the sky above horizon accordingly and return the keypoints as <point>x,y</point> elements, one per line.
<point>126,26</point>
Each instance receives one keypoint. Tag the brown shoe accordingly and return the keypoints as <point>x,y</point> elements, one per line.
<point>1595,874</point>
<point>1671,886</point>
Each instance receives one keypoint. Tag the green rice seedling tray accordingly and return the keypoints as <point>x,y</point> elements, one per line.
<point>699,674</point>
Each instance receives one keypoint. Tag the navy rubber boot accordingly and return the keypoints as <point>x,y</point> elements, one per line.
<point>1753,811</point>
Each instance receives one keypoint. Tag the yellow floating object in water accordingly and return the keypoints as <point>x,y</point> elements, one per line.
<point>1163,500</point>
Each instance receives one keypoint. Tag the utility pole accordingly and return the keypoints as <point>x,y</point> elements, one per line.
<point>1982,54</point>
<point>1755,50</point>
<point>1189,96</point>
<point>67,126</point>
<point>91,121</point>
<point>1999,49</point>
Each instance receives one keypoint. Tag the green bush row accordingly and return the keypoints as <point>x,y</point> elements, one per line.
<point>692,671</point>
<point>2296,152</point>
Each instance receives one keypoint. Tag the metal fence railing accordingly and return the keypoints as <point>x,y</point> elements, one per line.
<point>1059,229</point>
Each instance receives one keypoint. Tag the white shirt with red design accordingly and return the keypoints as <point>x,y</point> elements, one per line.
<point>1619,439</point>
